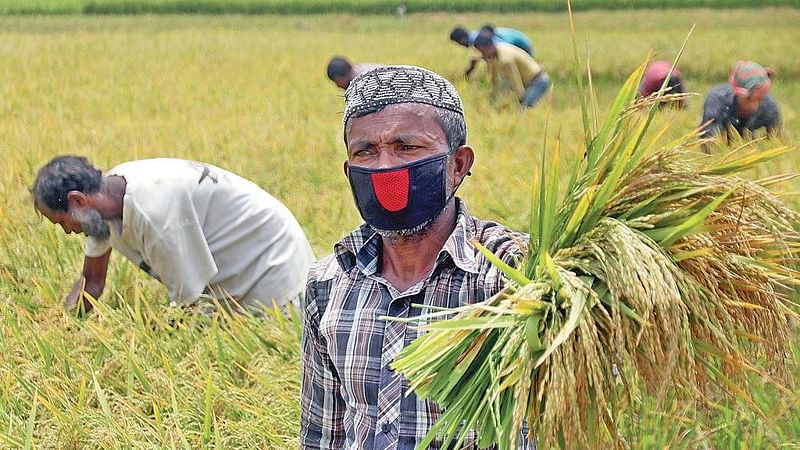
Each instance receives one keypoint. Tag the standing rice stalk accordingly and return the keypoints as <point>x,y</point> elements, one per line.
<point>659,267</point>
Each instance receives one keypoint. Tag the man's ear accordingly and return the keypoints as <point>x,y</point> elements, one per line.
<point>77,198</point>
<point>463,159</point>
<point>346,168</point>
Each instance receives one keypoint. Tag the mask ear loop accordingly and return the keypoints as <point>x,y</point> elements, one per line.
<point>469,173</point>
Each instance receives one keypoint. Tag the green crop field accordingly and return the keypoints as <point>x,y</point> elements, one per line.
<point>352,6</point>
<point>250,94</point>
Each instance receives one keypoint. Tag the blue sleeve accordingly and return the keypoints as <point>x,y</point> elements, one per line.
<point>717,111</point>
<point>471,37</point>
<point>769,115</point>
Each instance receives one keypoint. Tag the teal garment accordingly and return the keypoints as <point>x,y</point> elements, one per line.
<point>510,36</point>
<point>515,37</point>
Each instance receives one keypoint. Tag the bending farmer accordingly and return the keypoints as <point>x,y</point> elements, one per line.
<point>205,233</point>
<point>742,104</point>
<point>512,69</point>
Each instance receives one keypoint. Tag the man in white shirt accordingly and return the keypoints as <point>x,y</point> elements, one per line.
<point>205,233</point>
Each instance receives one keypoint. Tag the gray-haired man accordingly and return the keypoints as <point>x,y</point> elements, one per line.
<point>207,234</point>
<point>405,135</point>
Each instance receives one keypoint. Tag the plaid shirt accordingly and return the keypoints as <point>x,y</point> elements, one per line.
<point>351,399</point>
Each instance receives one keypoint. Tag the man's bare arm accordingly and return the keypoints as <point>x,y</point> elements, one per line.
<point>92,282</point>
<point>472,64</point>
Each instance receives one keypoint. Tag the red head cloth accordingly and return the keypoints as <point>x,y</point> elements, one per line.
<point>654,76</point>
<point>748,77</point>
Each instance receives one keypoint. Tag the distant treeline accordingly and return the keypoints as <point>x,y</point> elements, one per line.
<point>352,6</point>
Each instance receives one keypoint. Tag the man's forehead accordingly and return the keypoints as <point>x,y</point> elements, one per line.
<point>44,210</point>
<point>39,207</point>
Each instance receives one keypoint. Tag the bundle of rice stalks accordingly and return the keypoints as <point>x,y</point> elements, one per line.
<point>659,267</point>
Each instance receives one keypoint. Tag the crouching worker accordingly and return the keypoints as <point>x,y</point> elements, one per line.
<point>207,234</point>
<point>654,76</point>
<point>465,38</point>
<point>742,104</point>
<point>513,69</point>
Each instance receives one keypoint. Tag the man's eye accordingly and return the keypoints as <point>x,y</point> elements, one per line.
<point>408,148</point>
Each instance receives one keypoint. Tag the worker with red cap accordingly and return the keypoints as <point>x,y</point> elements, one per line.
<point>653,79</point>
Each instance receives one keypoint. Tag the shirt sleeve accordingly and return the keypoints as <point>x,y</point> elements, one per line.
<point>180,258</point>
<point>321,402</point>
<point>96,247</point>
<point>715,110</point>
<point>771,117</point>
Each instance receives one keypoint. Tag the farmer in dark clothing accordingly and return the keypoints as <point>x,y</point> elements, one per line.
<point>742,104</point>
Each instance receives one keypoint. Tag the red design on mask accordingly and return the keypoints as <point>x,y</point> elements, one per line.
<point>391,189</point>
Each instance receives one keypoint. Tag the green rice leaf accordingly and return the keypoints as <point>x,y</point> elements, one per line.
<point>515,275</point>
<point>208,411</point>
<point>623,99</point>
<point>101,398</point>
<point>753,158</point>
<point>532,332</point>
<point>480,323</point>
<point>679,231</point>
<point>587,132</point>
<point>31,425</point>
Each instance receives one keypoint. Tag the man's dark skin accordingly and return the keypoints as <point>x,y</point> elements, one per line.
<point>401,134</point>
<point>344,82</point>
<point>108,201</point>
<point>473,62</point>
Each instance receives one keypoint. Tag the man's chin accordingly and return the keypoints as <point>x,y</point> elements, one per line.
<point>99,231</point>
<point>99,236</point>
<point>415,233</point>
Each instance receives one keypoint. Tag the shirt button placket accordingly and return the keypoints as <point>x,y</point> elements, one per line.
<point>385,439</point>
<point>390,391</point>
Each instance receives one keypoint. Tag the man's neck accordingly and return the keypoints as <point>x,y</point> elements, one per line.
<point>407,260</point>
<point>744,114</point>
<point>110,199</point>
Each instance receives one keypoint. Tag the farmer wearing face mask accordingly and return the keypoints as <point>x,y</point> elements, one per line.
<point>207,234</point>
<point>407,155</point>
<point>742,103</point>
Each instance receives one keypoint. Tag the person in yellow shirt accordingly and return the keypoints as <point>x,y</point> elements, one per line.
<point>513,69</point>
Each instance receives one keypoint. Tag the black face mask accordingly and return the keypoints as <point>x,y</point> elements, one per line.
<point>401,198</point>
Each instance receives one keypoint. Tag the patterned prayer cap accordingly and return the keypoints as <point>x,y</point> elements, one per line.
<point>389,85</point>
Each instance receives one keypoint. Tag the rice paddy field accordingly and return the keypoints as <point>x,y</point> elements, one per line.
<point>249,93</point>
<point>351,6</point>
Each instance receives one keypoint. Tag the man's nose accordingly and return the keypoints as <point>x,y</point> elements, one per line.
<point>387,159</point>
